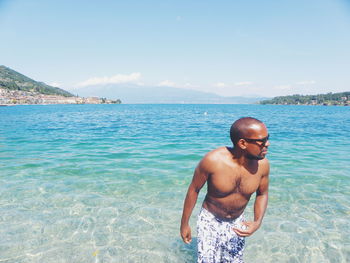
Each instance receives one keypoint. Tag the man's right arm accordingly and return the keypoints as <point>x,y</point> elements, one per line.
<point>199,178</point>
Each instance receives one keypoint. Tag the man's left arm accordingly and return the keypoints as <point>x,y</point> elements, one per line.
<point>260,206</point>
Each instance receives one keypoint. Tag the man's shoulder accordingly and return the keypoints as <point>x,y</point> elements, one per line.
<point>265,165</point>
<point>216,155</point>
<point>218,152</point>
<point>213,159</point>
<point>264,161</point>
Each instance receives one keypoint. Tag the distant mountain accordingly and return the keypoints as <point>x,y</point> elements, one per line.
<point>129,93</point>
<point>12,80</point>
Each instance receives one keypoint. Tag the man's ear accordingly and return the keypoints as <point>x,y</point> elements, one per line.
<point>242,144</point>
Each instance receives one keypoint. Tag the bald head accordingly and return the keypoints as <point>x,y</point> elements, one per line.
<point>243,127</point>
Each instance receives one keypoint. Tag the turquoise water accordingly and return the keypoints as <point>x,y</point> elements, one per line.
<point>106,183</point>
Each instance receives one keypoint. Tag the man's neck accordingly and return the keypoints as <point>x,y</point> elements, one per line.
<point>239,157</point>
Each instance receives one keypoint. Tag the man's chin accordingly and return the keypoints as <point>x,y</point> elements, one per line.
<point>256,157</point>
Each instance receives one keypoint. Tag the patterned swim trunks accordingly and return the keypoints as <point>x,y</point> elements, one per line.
<point>217,242</point>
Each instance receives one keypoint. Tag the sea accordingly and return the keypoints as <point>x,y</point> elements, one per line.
<point>106,183</point>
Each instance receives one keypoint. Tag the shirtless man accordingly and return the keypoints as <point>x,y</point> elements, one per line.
<point>233,175</point>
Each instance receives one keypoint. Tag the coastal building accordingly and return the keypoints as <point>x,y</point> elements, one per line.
<point>92,100</point>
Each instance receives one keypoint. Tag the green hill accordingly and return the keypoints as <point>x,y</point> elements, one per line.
<point>341,98</point>
<point>12,80</point>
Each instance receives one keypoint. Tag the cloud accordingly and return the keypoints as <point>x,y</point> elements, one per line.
<point>167,83</point>
<point>283,87</point>
<point>243,83</point>
<point>55,84</point>
<point>116,79</point>
<point>306,82</point>
<point>220,85</point>
<point>224,85</point>
<point>189,86</point>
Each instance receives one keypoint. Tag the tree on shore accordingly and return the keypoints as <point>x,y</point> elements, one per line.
<point>341,98</point>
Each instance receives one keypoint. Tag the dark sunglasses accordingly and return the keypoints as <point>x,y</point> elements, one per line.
<point>263,140</point>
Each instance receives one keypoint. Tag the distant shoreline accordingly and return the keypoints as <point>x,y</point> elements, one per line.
<point>329,99</point>
<point>343,105</point>
<point>18,97</point>
<point>43,104</point>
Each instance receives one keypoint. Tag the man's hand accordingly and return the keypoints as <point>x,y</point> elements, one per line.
<point>247,228</point>
<point>186,233</point>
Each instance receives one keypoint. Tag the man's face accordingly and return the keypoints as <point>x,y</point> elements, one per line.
<point>257,142</point>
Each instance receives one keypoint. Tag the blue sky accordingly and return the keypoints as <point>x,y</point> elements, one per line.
<point>233,48</point>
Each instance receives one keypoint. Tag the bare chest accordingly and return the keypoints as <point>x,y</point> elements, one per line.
<point>224,183</point>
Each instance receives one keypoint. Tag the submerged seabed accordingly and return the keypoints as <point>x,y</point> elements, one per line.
<point>106,183</point>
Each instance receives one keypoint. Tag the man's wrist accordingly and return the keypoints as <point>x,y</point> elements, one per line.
<point>259,221</point>
<point>184,222</point>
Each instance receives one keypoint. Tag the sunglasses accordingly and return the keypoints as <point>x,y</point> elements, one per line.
<point>263,140</point>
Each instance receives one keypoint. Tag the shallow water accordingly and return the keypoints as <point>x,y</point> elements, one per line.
<point>106,183</point>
